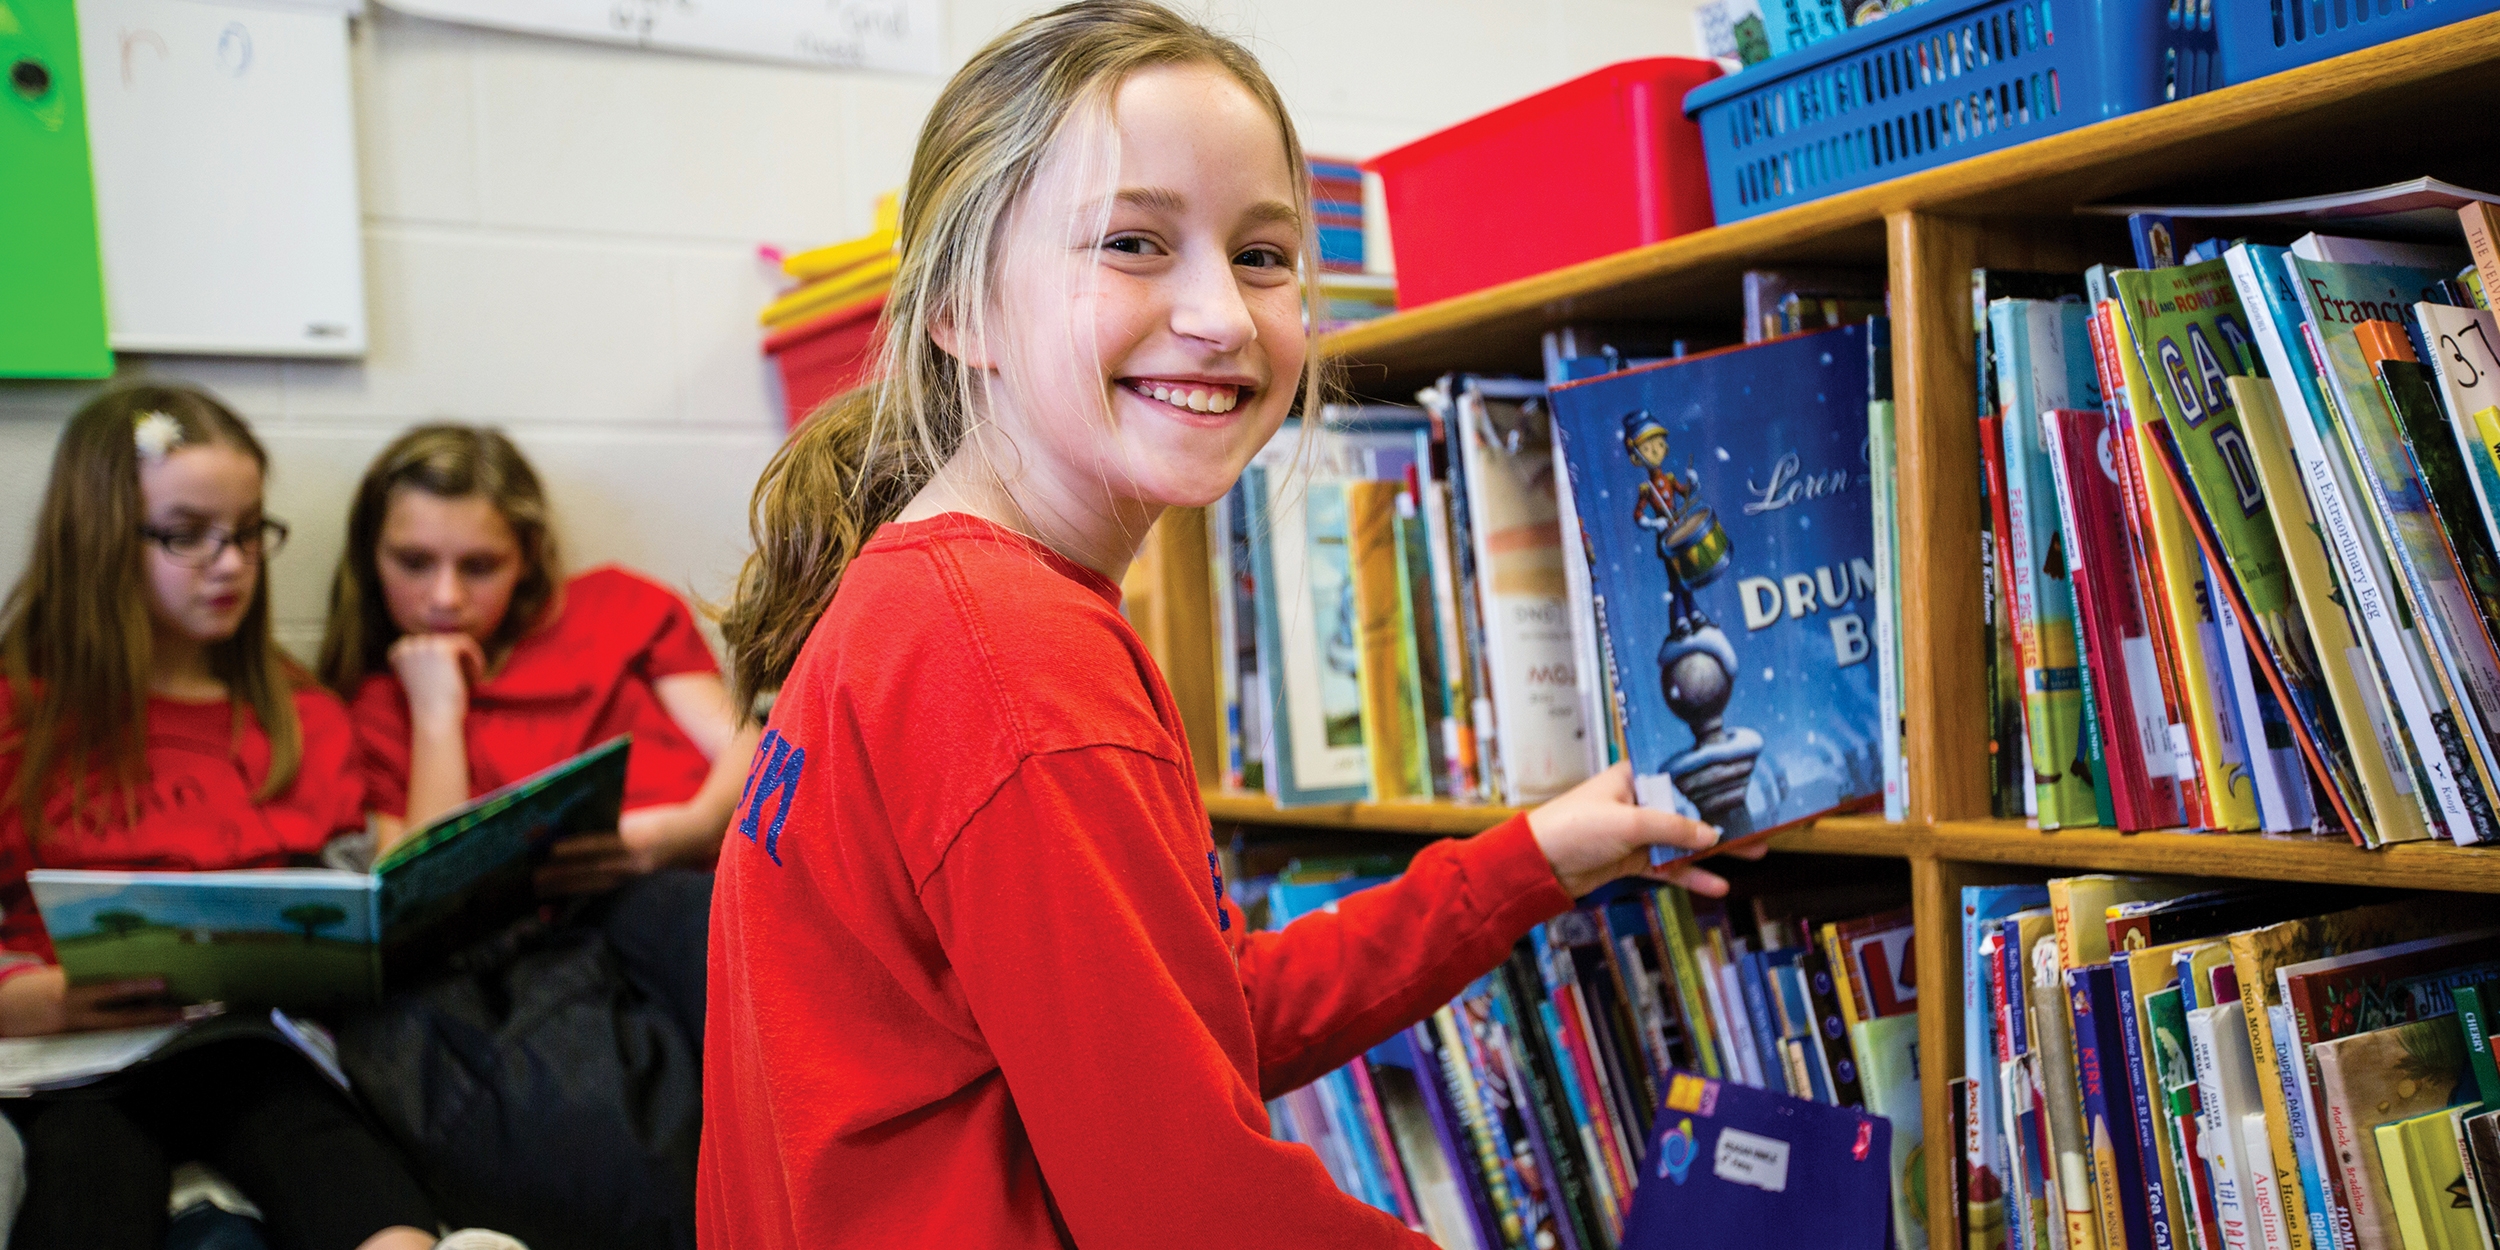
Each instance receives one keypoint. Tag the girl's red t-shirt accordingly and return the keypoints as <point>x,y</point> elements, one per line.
<point>195,813</point>
<point>582,677</point>
<point>973,978</point>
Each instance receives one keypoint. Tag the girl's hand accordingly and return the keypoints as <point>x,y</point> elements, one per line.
<point>1593,834</point>
<point>437,671</point>
<point>43,1001</point>
<point>593,863</point>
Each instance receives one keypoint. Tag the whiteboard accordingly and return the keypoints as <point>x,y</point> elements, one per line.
<point>225,170</point>
<point>899,35</point>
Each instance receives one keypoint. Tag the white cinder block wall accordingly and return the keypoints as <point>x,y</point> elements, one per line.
<point>561,241</point>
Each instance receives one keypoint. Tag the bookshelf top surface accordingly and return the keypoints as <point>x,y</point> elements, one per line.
<point>2394,111</point>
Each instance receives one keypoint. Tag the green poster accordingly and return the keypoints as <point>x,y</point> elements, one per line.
<point>52,321</point>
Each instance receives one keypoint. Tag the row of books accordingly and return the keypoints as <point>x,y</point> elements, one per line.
<point>2240,540</point>
<point>2188,1065</point>
<point>1464,600</point>
<point>1520,1116</point>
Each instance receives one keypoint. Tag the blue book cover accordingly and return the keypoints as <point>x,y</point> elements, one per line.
<point>1729,1165</point>
<point>2148,1126</point>
<point>2108,1112</point>
<point>1727,506</point>
<point>1983,908</point>
<point>1752,979</point>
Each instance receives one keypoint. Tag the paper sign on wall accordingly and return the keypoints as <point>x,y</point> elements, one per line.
<point>900,35</point>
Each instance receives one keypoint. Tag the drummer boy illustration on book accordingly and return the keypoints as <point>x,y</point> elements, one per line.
<point>1725,500</point>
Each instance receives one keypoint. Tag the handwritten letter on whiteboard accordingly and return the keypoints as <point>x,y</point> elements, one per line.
<point>901,35</point>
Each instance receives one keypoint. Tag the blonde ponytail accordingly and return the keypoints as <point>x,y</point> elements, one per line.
<point>854,464</point>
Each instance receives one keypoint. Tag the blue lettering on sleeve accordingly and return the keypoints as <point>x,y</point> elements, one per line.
<point>778,775</point>
<point>1215,869</point>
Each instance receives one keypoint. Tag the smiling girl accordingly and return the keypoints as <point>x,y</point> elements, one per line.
<point>147,722</point>
<point>974,978</point>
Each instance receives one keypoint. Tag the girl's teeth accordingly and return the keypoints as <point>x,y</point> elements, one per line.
<point>1194,399</point>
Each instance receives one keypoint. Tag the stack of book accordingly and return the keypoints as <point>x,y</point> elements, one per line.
<point>840,280</point>
<point>2240,540</point>
<point>2161,1062</point>
<point>1348,294</point>
<point>1519,1116</point>
<point>1749,32</point>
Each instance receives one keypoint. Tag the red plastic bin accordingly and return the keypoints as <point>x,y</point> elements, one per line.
<point>1605,162</point>
<point>824,356</point>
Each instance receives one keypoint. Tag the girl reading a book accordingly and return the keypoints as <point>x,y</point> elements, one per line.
<point>148,722</point>
<point>470,661</point>
<point>975,980</point>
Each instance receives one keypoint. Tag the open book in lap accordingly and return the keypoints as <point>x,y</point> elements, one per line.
<point>316,939</point>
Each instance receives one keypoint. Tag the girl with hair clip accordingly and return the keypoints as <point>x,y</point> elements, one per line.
<point>147,722</point>
<point>974,978</point>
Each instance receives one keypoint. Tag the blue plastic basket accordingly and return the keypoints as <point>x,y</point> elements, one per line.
<point>2261,37</point>
<point>1935,83</point>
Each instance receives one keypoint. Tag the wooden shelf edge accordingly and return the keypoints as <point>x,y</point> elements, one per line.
<point>2423,865</point>
<point>1418,817</point>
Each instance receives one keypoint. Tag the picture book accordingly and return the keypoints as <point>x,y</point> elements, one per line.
<point>2374,1078</point>
<point>2177,591</point>
<point>2044,362</point>
<point>1887,1050</point>
<point>2101,1079</point>
<point>2188,327</point>
<point>323,939</point>
<point>1504,437</point>
<point>2135,719</point>
<point>1725,499</point>
<point>2069,1145</point>
<point>1392,702</point>
<point>2393,636</point>
<point>2425,1176</point>
<point>1730,1165</point>
<point>2336,298</point>
<point>1309,658</point>
<point>2389,807</point>
<point>2464,348</point>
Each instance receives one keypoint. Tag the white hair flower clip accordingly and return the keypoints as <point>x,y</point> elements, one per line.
<point>157,433</point>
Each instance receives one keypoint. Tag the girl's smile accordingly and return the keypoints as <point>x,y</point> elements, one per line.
<point>1192,394</point>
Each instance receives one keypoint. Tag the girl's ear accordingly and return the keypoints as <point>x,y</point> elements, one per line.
<point>967,347</point>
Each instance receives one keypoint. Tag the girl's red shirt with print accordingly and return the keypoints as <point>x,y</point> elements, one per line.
<point>194,813</point>
<point>973,978</point>
<point>582,677</point>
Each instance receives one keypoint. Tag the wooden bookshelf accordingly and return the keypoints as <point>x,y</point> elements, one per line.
<point>2416,106</point>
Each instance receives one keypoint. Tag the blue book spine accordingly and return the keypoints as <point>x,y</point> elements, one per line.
<point>2010,968</point>
<point>1449,1130</point>
<point>2147,1128</point>
<point>1766,1042</point>
<point>2288,1070</point>
<point>2108,1116</point>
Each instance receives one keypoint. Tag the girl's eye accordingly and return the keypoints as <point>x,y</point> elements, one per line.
<point>480,568</point>
<point>1262,258</point>
<point>1133,245</point>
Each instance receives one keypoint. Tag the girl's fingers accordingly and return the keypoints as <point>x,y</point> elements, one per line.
<point>1654,827</point>
<point>1692,877</point>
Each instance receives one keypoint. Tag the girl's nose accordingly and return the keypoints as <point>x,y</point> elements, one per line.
<point>1208,306</point>
<point>446,589</point>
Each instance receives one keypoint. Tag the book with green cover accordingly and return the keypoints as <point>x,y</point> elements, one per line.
<point>2181,1109</point>
<point>2426,1180</point>
<point>317,938</point>
<point>2336,299</point>
<point>2474,1015</point>
<point>1887,1051</point>
<point>2192,339</point>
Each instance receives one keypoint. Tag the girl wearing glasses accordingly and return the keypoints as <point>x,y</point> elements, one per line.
<point>148,722</point>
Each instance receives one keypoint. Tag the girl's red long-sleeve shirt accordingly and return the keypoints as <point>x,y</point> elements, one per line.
<point>973,980</point>
<point>194,812</point>
<point>581,677</point>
